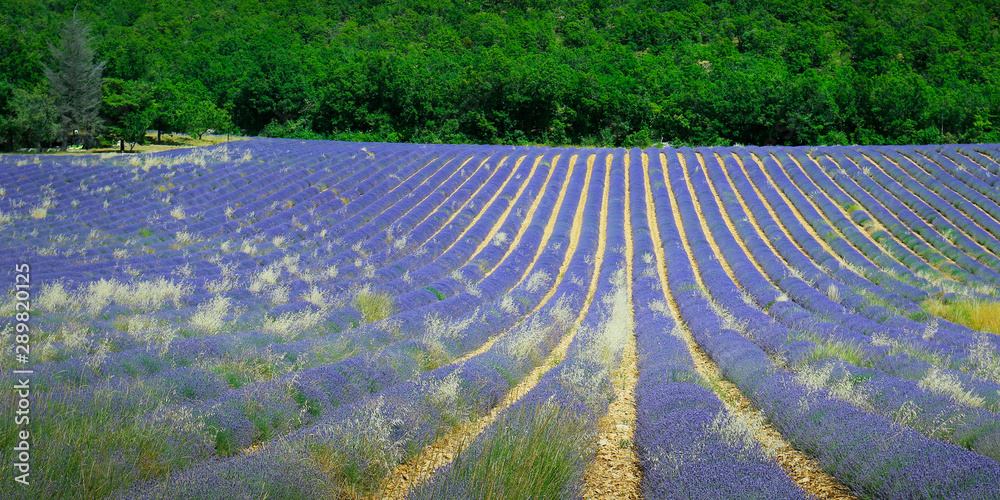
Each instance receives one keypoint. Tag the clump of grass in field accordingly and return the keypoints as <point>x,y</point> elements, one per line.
<point>142,295</point>
<point>316,297</point>
<point>983,361</point>
<point>358,453</point>
<point>54,297</point>
<point>331,272</point>
<point>947,384</point>
<point>539,449</point>
<point>266,277</point>
<point>741,432</point>
<point>444,395</point>
<point>279,295</point>
<point>290,325</point>
<point>618,326</point>
<point>248,248</point>
<point>537,280</point>
<point>437,328</point>
<point>183,239</point>
<point>500,238</point>
<point>980,315</point>
<point>845,388</point>
<point>209,318</point>
<point>824,348</point>
<point>523,340</point>
<point>178,213</point>
<point>373,305</point>
<point>240,370</point>
<point>115,440</point>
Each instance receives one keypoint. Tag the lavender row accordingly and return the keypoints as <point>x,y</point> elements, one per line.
<point>689,445</point>
<point>908,228</point>
<point>965,232</point>
<point>972,427</point>
<point>918,215</point>
<point>869,453</point>
<point>410,413</point>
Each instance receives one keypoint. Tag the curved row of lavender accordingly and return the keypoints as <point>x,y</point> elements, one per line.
<point>296,318</point>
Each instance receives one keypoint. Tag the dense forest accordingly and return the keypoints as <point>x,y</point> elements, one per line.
<point>597,72</point>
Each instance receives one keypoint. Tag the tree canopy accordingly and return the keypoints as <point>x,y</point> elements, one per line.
<point>75,81</point>
<point>593,72</point>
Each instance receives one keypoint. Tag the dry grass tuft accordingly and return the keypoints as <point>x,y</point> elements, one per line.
<point>980,315</point>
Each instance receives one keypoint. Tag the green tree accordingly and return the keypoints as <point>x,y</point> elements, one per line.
<point>35,116</point>
<point>76,82</point>
<point>201,116</point>
<point>130,109</point>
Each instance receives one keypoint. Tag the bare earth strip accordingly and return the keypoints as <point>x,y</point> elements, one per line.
<point>615,472</point>
<point>846,215</point>
<point>798,216</point>
<point>893,236</point>
<point>820,212</point>
<point>749,214</point>
<point>442,451</point>
<point>804,470</point>
<point>960,195</point>
<point>482,210</point>
<point>732,230</point>
<point>574,240</point>
<point>984,249</point>
<point>455,213</point>
<point>510,208</point>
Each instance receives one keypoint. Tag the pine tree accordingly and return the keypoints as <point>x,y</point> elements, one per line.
<point>76,83</point>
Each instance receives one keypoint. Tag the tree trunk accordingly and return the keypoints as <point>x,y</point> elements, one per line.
<point>38,145</point>
<point>158,132</point>
<point>121,142</point>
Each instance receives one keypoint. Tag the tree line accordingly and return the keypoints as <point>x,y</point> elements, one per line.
<point>592,72</point>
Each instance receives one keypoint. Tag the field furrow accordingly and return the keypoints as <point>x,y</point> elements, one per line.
<point>307,319</point>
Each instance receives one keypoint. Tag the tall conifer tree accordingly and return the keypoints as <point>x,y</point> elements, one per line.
<point>76,82</point>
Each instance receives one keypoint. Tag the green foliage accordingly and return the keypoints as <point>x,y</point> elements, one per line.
<point>538,449</point>
<point>627,73</point>
<point>983,316</point>
<point>200,117</point>
<point>437,292</point>
<point>76,81</point>
<point>34,116</point>
<point>129,109</point>
<point>373,305</point>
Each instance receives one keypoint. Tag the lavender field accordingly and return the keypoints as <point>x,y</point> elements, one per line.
<point>279,319</point>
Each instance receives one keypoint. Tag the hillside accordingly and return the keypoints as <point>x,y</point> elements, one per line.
<point>600,72</point>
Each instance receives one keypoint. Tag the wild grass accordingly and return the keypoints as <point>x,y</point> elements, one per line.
<point>949,385</point>
<point>846,388</point>
<point>539,449</point>
<point>980,315</point>
<point>742,431</point>
<point>118,438</point>
<point>140,295</point>
<point>358,453</point>
<point>291,325</point>
<point>824,348</point>
<point>178,213</point>
<point>239,370</point>
<point>897,346</point>
<point>210,316</point>
<point>373,306</point>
